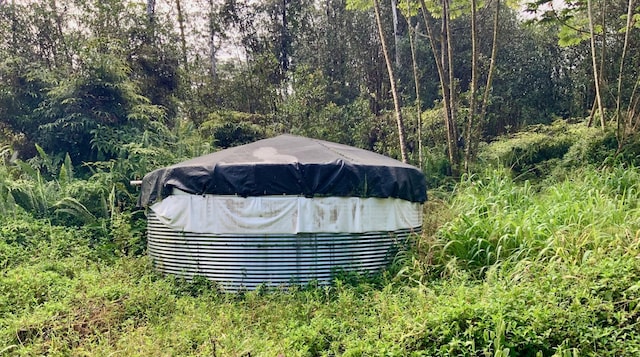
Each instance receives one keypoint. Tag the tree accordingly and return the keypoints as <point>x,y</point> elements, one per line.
<point>392,81</point>
<point>183,40</point>
<point>614,34</point>
<point>474,82</point>
<point>594,63</point>
<point>409,12</point>
<point>628,124</point>
<point>95,111</point>
<point>444,64</point>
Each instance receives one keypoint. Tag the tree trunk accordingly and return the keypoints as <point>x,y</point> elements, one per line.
<point>213,49</point>
<point>594,64</point>
<point>592,113</point>
<point>151,10</point>
<point>620,130</point>
<point>474,81</point>
<point>284,40</point>
<point>441,65</point>
<point>396,35</point>
<point>183,41</point>
<point>492,65</point>
<point>633,118</point>
<point>394,91</point>
<point>60,34</point>
<point>448,51</point>
<point>416,80</point>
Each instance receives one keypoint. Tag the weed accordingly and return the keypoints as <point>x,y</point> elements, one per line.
<point>502,268</point>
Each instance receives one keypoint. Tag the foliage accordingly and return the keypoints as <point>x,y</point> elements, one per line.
<point>96,111</point>
<point>550,271</point>
<point>537,150</point>
<point>226,129</point>
<point>602,148</point>
<point>505,223</point>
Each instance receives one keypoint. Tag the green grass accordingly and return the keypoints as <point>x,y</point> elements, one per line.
<point>503,269</point>
<point>499,221</point>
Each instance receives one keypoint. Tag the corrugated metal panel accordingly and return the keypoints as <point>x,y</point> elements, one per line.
<point>246,261</point>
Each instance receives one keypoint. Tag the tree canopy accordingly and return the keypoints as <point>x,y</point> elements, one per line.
<point>88,77</point>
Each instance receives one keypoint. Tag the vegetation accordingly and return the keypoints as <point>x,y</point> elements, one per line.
<point>526,125</point>
<point>88,77</point>
<point>504,268</point>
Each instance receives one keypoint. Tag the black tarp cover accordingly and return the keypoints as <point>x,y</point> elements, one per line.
<point>288,165</point>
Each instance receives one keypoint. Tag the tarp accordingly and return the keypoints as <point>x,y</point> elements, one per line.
<point>286,214</point>
<point>288,165</point>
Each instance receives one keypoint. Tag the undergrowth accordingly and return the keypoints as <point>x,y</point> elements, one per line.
<point>503,268</point>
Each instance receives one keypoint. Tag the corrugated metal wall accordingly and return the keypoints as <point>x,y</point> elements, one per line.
<point>244,262</point>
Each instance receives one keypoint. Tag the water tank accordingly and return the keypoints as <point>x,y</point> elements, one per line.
<point>279,211</point>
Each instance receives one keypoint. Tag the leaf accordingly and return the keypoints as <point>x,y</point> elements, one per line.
<point>27,169</point>
<point>66,171</point>
<point>568,36</point>
<point>73,207</point>
<point>46,159</point>
<point>408,8</point>
<point>360,5</point>
<point>636,21</point>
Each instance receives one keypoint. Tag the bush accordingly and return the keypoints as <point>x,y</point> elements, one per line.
<point>227,129</point>
<point>504,268</point>
<point>501,222</point>
<point>537,150</point>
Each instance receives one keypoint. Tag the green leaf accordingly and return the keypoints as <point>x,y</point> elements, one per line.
<point>73,207</point>
<point>568,36</point>
<point>360,5</point>
<point>46,159</point>
<point>66,171</point>
<point>27,169</point>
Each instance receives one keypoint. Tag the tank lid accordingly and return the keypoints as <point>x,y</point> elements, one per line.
<point>288,165</point>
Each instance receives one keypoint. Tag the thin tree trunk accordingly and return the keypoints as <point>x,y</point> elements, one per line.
<point>60,34</point>
<point>416,79</point>
<point>284,40</point>
<point>444,84</point>
<point>213,49</point>
<point>394,92</point>
<point>396,35</point>
<point>183,41</point>
<point>592,114</point>
<point>603,55</point>
<point>594,64</point>
<point>452,90</point>
<point>474,81</point>
<point>14,26</point>
<point>492,65</point>
<point>151,10</point>
<point>621,128</point>
<point>632,107</point>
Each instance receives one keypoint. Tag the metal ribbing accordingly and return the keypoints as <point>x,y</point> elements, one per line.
<point>246,261</point>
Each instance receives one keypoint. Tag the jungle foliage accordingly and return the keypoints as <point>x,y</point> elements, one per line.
<point>529,249</point>
<point>504,268</point>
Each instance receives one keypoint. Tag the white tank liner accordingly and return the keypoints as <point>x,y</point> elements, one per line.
<point>218,214</point>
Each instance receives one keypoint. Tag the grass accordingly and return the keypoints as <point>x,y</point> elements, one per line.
<point>503,269</point>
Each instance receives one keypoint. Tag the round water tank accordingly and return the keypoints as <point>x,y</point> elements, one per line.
<point>284,210</point>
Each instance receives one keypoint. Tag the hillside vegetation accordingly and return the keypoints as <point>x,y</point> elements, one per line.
<point>505,267</point>
<point>523,115</point>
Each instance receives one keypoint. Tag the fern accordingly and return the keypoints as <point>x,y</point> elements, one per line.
<point>73,207</point>
<point>66,171</point>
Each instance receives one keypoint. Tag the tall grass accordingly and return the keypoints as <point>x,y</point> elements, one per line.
<point>500,222</point>
<point>503,269</point>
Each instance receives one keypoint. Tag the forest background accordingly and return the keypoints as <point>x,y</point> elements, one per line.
<point>522,114</point>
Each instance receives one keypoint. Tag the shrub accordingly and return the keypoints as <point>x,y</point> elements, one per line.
<point>501,222</point>
<point>535,151</point>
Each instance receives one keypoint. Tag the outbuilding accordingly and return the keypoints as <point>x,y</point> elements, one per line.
<point>279,211</point>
